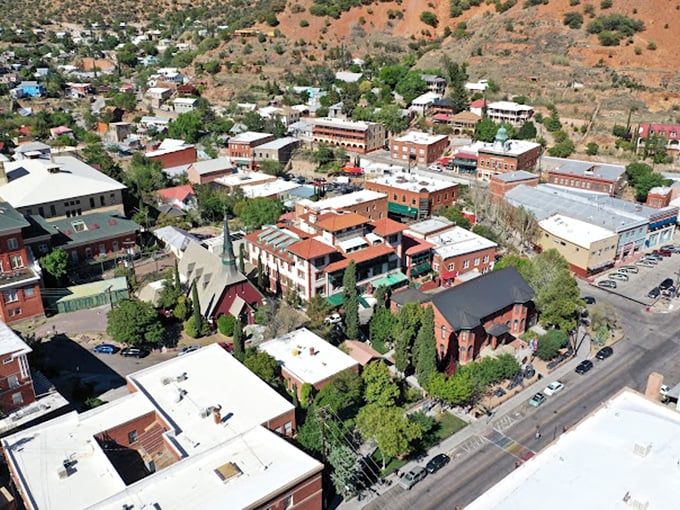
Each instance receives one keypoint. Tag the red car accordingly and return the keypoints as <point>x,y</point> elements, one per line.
<point>664,252</point>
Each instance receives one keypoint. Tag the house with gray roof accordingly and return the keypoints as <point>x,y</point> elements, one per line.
<point>585,176</point>
<point>490,310</point>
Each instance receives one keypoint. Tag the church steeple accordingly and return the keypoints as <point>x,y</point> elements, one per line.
<point>228,258</point>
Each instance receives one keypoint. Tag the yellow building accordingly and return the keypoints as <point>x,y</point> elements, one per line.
<point>587,248</point>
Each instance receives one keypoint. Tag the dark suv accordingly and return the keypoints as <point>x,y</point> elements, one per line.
<point>604,353</point>
<point>584,366</point>
<point>437,462</point>
<point>666,284</point>
<point>134,352</point>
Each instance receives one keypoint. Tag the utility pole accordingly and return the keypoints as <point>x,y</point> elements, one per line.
<point>321,418</point>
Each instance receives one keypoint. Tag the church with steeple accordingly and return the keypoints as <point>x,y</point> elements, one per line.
<point>222,288</point>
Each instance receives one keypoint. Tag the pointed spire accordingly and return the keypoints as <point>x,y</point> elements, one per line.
<point>228,258</point>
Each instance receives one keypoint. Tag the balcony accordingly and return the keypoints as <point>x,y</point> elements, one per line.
<point>10,278</point>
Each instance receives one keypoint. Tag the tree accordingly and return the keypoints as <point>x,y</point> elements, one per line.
<point>382,325</point>
<point>318,309</point>
<point>127,55</point>
<point>258,211</point>
<point>56,263</point>
<point>405,332</point>
<point>261,275</point>
<point>145,175</point>
<point>196,313</point>
<point>573,19</point>
<point>455,214</point>
<point>238,341</point>
<point>343,459</point>
<point>350,301</point>
<point>187,126</point>
<point>411,86</point>
<point>392,118</point>
<point>550,344</point>
<point>429,18</point>
<point>271,167</point>
<point>169,293</point>
<point>264,366</point>
<point>182,309</point>
<point>379,387</point>
<point>527,131</point>
<point>485,130</point>
<point>457,77</point>
<point>225,324</point>
<point>342,395</point>
<point>485,231</point>
<point>134,322</point>
<point>426,348</point>
<point>241,258</point>
<point>592,149</point>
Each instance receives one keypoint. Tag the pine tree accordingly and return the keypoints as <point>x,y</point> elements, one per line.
<point>350,301</point>
<point>241,261</point>
<point>239,344</point>
<point>178,282</point>
<point>426,360</point>
<point>196,306</point>
<point>260,274</point>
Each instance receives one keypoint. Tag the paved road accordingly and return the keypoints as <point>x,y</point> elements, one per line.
<point>484,458</point>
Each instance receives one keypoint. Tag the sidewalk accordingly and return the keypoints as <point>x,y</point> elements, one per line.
<point>477,427</point>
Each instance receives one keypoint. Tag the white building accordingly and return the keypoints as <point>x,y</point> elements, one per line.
<point>422,104</point>
<point>508,111</point>
<point>624,455</point>
<point>184,104</point>
<point>187,436</point>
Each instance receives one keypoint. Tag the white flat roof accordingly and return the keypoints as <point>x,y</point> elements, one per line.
<point>426,227</point>
<point>249,136</point>
<point>10,342</point>
<point>207,377</point>
<point>458,241</point>
<point>596,462</point>
<point>420,138</point>
<point>269,188</point>
<point>157,90</point>
<point>348,123</point>
<point>342,201</point>
<point>243,179</point>
<point>293,351</point>
<point>508,105</point>
<point>30,182</point>
<point>412,182</point>
<point>185,100</point>
<point>575,231</point>
<point>512,147</point>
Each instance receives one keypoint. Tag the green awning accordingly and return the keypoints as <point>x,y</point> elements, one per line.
<point>336,300</point>
<point>421,268</point>
<point>401,209</point>
<point>390,280</point>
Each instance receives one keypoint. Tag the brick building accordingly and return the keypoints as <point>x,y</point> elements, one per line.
<point>418,148</point>
<point>306,358</point>
<point>16,384</point>
<point>659,197</point>
<point>489,310</point>
<point>171,153</point>
<point>370,204</point>
<point>351,135</point>
<point>241,147</point>
<point>414,196</point>
<point>500,184</point>
<point>58,186</point>
<point>180,438</point>
<point>203,172</point>
<point>505,155</point>
<point>280,150</point>
<point>19,279</point>
<point>585,175</point>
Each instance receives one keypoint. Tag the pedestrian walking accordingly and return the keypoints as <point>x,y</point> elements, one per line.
<point>538,435</point>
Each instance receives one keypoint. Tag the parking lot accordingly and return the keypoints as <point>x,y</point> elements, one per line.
<point>647,278</point>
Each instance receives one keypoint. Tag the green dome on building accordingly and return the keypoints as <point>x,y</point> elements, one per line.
<point>501,135</point>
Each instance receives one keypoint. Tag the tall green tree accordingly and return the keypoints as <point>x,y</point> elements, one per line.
<point>264,366</point>
<point>238,340</point>
<point>258,211</point>
<point>379,386</point>
<point>405,332</point>
<point>187,126</point>
<point>486,130</point>
<point>457,77</point>
<point>134,322</point>
<point>350,301</point>
<point>196,312</point>
<point>178,281</point>
<point>145,175</point>
<point>169,294</point>
<point>426,362</point>
<point>241,258</point>
<point>382,325</point>
<point>56,264</point>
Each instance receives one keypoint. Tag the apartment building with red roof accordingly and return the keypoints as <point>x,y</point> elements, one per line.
<point>669,132</point>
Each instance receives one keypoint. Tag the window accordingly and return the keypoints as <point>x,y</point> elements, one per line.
<point>287,502</point>
<point>12,243</point>
<point>451,267</point>
<point>132,437</point>
<point>486,259</point>
<point>476,261</point>
<point>466,264</point>
<point>288,427</point>
<point>17,399</point>
<point>10,296</point>
<point>29,292</point>
<point>79,226</point>
<point>114,246</point>
<point>41,211</point>
<point>53,211</point>
<point>88,252</point>
<point>102,201</point>
<point>16,261</point>
<point>7,361</point>
<point>92,206</point>
<point>443,332</point>
<point>13,381</point>
<point>102,249</point>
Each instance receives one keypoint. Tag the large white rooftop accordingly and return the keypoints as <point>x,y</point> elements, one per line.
<point>342,201</point>
<point>509,106</point>
<point>624,455</point>
<point>419,137</point>
<point>357,125</point>
<point>411,182</point>
<point>249,137</point>
<point>458,241</point>
<point>37,181</point>
<point>270,188</point>
<point>307,356</point>
<point>10,342</point>
<point>207,378</point>
<point>244,179</point>
<point>575,231</point>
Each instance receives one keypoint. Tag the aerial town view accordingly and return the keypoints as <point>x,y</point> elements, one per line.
<point>339,254</point>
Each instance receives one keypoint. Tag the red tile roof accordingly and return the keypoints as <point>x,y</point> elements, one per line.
<point>177,193</point>
<point>416,245</point>
<point>337,222</point>
<point>386,227</point>
<point>669,131</point>
<point>369,253</point>
<point>361,352</point>
<point>309,249</point>
<point>477,103</point>
<point>443,117</point>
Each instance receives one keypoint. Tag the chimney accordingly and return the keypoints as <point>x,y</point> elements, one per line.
<point>217,415</point>
<point>3,174</point>
<point>312,352</point>
<point>653,388</point>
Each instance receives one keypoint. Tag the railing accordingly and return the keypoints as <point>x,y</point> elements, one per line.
<point>16,275</point>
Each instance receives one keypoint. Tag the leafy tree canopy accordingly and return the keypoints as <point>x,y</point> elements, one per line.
<point>134,322</point>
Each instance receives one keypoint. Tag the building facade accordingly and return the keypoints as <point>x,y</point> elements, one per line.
<point>241,147</point>
<point>585,175</point>
<point>500,184</point>
<point>510,112</point>
<point>418,148</point>
<point>280,150</point>
<point>669,134</point>
<point>370,204</point>
<point>16,384</point>
<point>354,136</point>
<point>19,276</point>
<point>505,156</point>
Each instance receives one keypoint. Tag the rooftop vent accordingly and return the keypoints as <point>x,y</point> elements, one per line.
<point>53,169</point>
<point>642,450</point>
<point>227,471</point>
<point>182,377</point>
<point>166,380</point>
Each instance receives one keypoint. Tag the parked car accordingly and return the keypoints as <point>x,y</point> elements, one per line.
<point>437,462</point>
<point>670,247</point>
<point>604,353</point>
<point>666,284</point>
<point>334,318</point>
<point>187,349</point>
<point>607,284</point>
<point>584,366</point>
<point>629,269</point>
<point>654,293</point>
<point>135,352</point>
<point>413,477</point>
<point>552,388</point>
<point>664,252</point>
<point>105,349</point>
<point>654,255</point>
<point>646,263</point>
<point>618,276</point>
<point>537,400</point>
<point>589,300</point>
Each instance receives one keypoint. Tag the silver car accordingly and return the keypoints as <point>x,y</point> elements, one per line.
<point>618,276</point>
<point>413,477</point>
